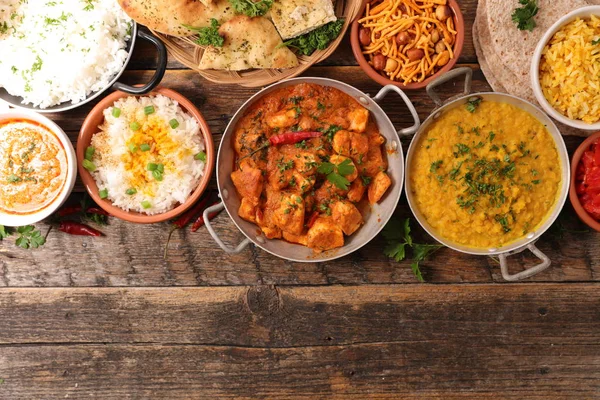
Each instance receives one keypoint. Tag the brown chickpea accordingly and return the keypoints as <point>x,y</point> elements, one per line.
<point>402,38</point>
<point>364,36</point>
<point>439,47</point>
<point>415,54</point>
<point>443,13</point>
<point>379,62</point>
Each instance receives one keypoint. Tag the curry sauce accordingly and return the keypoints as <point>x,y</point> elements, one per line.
<point>33,166</point>
<point>307,156</point>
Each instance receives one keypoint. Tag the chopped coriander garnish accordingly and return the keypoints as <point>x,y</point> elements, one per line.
<point>523,16</point>
<point>145,147</point>
<point>596,42</point>
<point>472,105</point>
<point>87,164</point>
<point>134,126</point>
<point>174,123</point>
<point>116,112</point>
<point>146,204</point>
<point>149,110</point>
<point>12,178</point>
<point>200,156</point>
<point>103,194</point>
<point>131,191</point>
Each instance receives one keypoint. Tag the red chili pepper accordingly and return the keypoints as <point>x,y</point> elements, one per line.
<point>96,210</point>
<point>285,138</point>
<point>63,212</point>
<point>311,220</point>
<point>200,221</point>
<point>75,228</point>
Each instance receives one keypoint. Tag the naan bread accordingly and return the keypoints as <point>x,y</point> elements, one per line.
<point>170,16</point>
<point>249,43</point>
<point>297,17</point>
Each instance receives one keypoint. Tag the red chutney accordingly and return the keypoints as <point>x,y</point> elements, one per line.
<point>33,166</point>
<point>587,180</point>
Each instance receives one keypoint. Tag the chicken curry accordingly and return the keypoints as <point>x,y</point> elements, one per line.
<point>307,155</point>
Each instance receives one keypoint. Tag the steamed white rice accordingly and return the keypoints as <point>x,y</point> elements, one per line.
<point>55,51</point>
<point>121,164</point>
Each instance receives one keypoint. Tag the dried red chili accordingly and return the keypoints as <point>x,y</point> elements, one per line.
<point>285,138</point>
<point>63,212</point>
<point>75,228</point>
<point>200,221</point>
<point>311,220</point>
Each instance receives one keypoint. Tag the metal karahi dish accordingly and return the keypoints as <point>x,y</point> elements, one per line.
<point>527,241</point>
<point>17,101</point>
<point>377,216</point>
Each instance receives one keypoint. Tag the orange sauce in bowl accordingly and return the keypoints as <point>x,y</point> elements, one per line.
<point>33,166</point>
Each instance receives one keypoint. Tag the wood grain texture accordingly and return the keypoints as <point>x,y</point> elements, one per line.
<point>429,342</point>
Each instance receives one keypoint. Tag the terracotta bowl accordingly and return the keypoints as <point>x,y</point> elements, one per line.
<point>583,215</point>
<point>90,126</point>
<point>459,24</point>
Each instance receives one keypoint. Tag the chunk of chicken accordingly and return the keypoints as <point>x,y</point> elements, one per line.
<point>374,162</point>
<point>300,183</point>
<point>357,191</point>
<point>289,217</point>
<point>282,119</point>
<point>325,234</point>
<point>351,144</point>
<point>346,216</point>
<point>379,185</point>
<point>279,169</point>
<point>358,119</point>
<point>249,182</point>
<point>300,239</point>
<point>247,210</point>
<point>337,160</point>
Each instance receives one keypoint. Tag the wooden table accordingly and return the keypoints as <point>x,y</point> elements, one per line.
<point>108,318</point>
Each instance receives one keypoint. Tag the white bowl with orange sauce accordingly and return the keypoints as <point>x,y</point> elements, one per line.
<point>38,167</point>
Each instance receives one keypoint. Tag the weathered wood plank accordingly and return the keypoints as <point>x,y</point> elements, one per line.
<point>471,341</point>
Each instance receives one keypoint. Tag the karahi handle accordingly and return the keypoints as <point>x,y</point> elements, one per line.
<point>226,249</point>
<point>448,76</point>
<point>529,272</point>
<point>417,123</point>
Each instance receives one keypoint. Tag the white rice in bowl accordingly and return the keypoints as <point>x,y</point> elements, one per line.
<point>55,51</point>
<point>149,155</point>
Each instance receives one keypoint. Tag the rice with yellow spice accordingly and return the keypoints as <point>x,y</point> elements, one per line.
<point>570,70</point>
<point>148,156</point>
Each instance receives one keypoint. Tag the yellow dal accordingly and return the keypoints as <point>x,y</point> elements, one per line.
<point>520,156</point>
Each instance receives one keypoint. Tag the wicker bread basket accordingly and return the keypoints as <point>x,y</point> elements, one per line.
<point>184,50</point>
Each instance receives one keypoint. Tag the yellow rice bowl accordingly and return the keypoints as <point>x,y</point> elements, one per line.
<point>486,178</point>
<point>570,70</point>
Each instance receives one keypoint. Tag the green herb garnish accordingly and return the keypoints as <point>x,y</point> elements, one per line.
<point>149,110</point>
<point>435,165</point>
<point>252,8</point>
<point>116,112</point>
<point>5,232</point>
<point>87,164</point>
<point>145,147</point>
<point>132,147</point>
<point>29,237</point>
<point>208,36</point>
<point>472,104</point>
<point>103,194</point>
<point>336,174</point>
<point>174,123</point>
<point>200,156</point>
<point>131,191</point>
<point>317,39</point>
<point>596,42</point>
<point>523,16</point>
<point>89,153</point>
<point>146,204</point>
<point>134,126</point>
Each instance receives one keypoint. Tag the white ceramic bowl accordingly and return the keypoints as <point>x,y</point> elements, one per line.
<point>27,219</point>
<point>584,12</point>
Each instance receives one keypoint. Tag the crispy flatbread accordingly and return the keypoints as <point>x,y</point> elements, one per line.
<point>170,16</point>
<point>249,43</point>
<point>297,17</point>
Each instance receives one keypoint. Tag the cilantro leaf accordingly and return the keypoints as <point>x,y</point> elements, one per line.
<point>416,271</point>
<point>29,237</point>
<point>5,232</point>
<point>316,39</point>
<point>523,16</point>
<point>325,168</point>
<point>252,8</point>
<point>208,36</point>
<point>421,251</point>
<point>472,105</point>
<point>346,167</point>
<point>338,180</point>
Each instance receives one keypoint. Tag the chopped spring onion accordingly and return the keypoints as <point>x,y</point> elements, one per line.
<point>132,147</point>
<point>90,166</point>
<point>146,204</point>
<point>151,167</point>
<point>149,110</point>
<point>174,123</point>
<point>89,153</point>
<point>134,126</point>
<point>160,168</point>
<point>157,175</point>
<point>200,156</point>
<point>144,147</point>
<point>116,112</point>
<point>103,193</point>
<point>131,191</point>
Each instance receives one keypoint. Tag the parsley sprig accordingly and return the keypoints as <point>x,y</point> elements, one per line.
<point>252,8</point>
<point>317,39</point>
<point>397,235</point>
<point>29,237</point>
<point>472,104</point>
<point>523,16</point>
<point>208,36</point>
<point>336,174</point>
